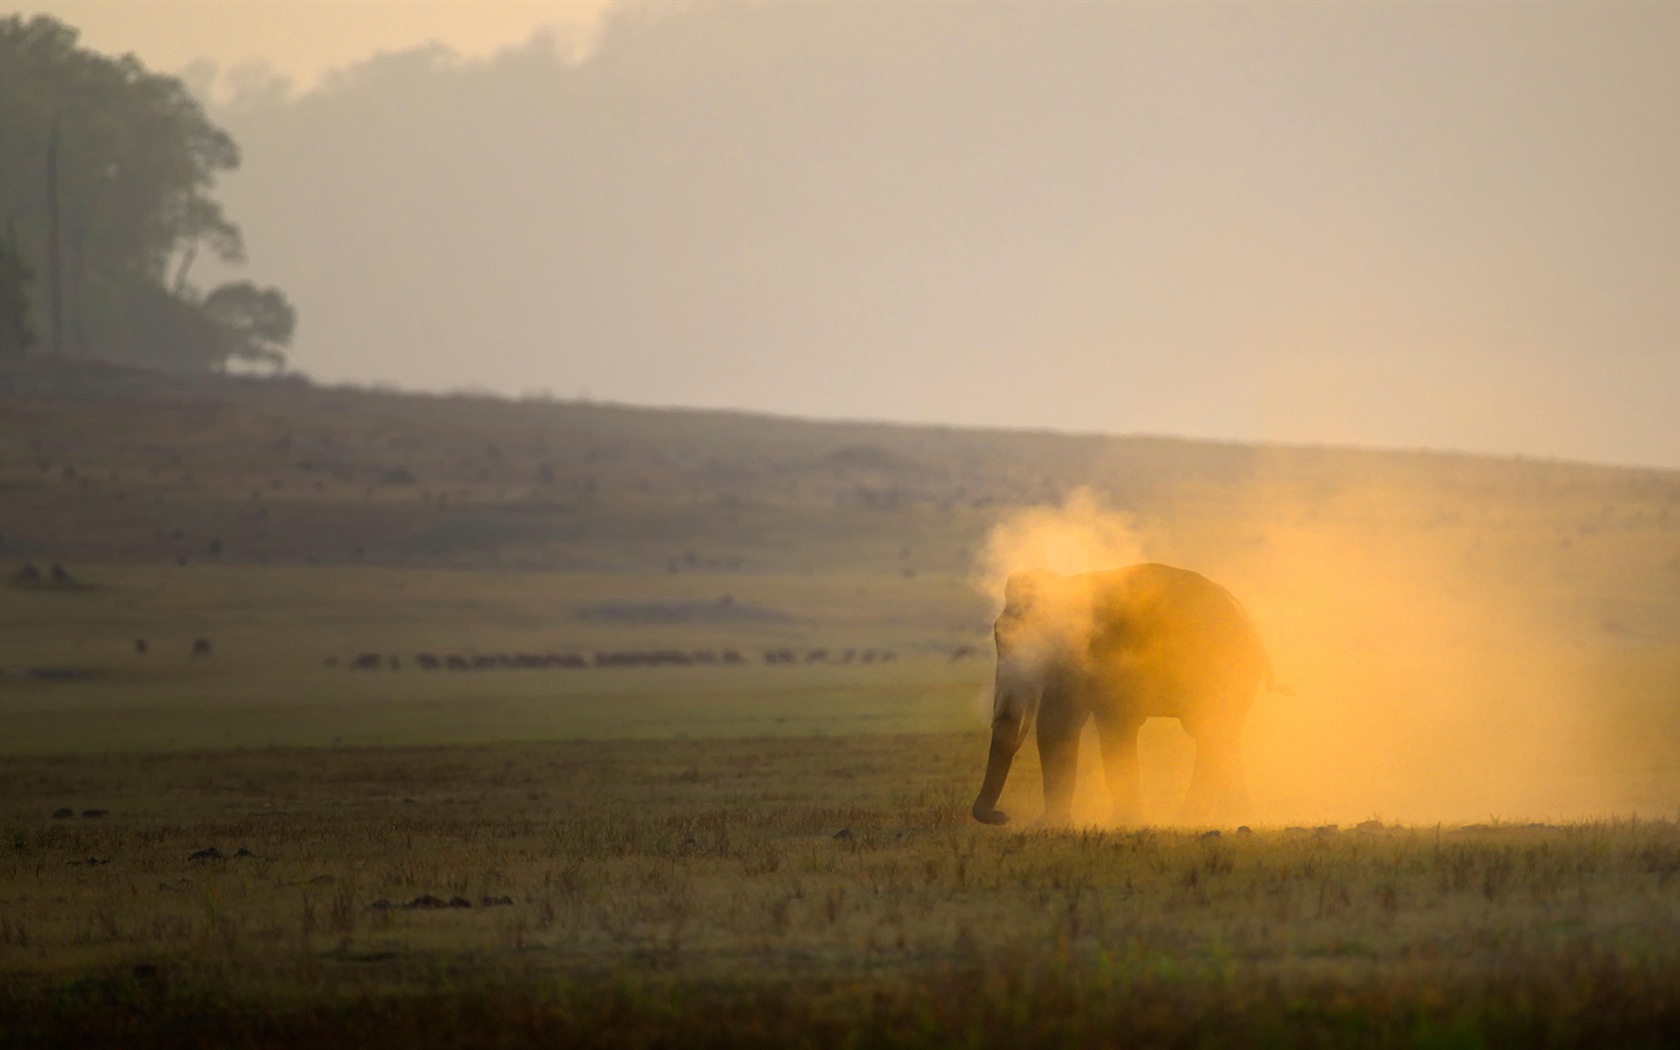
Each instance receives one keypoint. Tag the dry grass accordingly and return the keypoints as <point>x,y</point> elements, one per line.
<point>696,891</point>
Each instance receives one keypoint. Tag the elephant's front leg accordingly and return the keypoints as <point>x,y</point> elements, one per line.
<point>1059,722</point>
<point>1119,735</point>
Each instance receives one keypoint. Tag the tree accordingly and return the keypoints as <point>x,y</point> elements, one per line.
<point>137,159</point>
<point>16,332</point>
<point>256,322</point>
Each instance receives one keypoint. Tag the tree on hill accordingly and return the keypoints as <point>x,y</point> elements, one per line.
<point>129,159</point>
<point>257,322</point>
<point>16,333</point>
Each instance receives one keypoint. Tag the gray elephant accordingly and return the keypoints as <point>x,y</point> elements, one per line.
<point>1121,646</point>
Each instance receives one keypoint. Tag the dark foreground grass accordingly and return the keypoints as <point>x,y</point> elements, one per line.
<point>1590,999</point>
<point>773,892</point>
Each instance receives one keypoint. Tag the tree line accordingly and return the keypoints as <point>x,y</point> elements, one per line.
<point>106,173</point>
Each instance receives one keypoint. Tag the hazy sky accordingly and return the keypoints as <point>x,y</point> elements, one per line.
<point>306,39</point>
<point>1414,225</point>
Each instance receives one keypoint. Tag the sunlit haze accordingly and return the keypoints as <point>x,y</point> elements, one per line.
<point>1418,684</point>
<point>1396,225</point>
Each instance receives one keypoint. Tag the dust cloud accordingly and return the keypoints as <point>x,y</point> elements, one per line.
<point>1081,535</point>
<point>1429,677</point>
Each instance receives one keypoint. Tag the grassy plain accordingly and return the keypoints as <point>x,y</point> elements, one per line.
<point>1485,658</point>
<point>772,891</point>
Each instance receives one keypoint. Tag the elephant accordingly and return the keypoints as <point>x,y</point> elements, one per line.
<point>1120,646</point>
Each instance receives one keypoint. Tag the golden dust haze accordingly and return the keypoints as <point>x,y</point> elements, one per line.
<point>1424,681</point>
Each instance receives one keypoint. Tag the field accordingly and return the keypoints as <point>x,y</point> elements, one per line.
<point>769,891</point>
<point>1464,803</point>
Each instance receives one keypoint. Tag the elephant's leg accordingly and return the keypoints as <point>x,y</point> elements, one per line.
<point>1119,736</point>
<point>1217,787</point>
<point>1059,722</point>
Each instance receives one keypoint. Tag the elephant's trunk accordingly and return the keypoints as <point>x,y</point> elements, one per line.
<point>1008,730</point>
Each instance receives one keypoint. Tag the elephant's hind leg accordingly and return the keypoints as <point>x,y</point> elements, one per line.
<point>1119,736</point>
<point>1218,789</point>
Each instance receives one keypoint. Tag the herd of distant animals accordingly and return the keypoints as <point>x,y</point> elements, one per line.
<point>200,647</point>
<point>602,658</point>
<point>609,658</point>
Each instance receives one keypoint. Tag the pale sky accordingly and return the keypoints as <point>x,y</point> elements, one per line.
<point>305,39</point>
<point>1413,225</point>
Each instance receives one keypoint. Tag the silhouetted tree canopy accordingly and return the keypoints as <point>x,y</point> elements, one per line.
<point>137,159</point>
<point>258,321</point>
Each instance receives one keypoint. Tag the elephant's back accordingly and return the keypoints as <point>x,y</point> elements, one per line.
<point>1163,596</point>
<point>1172,621</point>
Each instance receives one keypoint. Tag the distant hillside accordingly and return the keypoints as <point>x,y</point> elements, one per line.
<point>110,464</point>
<point>1460,634</point>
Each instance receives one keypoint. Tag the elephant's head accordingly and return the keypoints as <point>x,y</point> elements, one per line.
<point>1028,646</point>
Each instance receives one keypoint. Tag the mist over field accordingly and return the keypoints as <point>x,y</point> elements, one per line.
<point>1415,226</point>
